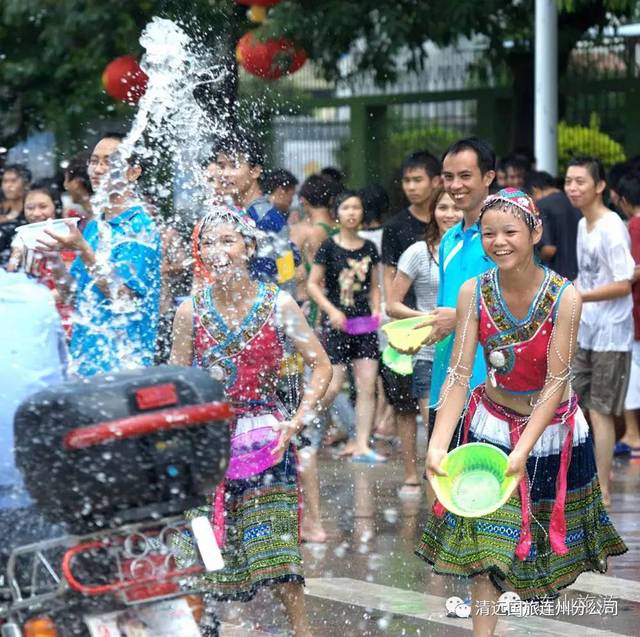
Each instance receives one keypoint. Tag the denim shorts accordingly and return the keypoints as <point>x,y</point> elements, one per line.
<point>421,379</point>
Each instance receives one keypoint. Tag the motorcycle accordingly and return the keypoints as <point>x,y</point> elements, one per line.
<point>117,460</point>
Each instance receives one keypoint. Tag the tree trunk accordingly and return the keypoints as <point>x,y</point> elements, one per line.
<point>522,66</point>
<point>571,28</point>
<point>219,101</point>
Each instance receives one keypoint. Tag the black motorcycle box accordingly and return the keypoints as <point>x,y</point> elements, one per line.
<point>123,447</point>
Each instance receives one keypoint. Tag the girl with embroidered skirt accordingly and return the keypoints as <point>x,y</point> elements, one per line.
<point>235,327</point>
<point>554,526</point>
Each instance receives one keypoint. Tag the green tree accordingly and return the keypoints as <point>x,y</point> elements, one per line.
<point>587,140</point>
<point>53,53</point>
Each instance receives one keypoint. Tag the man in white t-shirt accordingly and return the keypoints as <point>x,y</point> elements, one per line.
<point>605,336</point>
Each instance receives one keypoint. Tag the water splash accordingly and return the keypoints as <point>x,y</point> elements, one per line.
<point>169,120</point>
<point>169,128</point>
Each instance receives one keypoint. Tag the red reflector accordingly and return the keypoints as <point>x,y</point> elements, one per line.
<point>156,396</point>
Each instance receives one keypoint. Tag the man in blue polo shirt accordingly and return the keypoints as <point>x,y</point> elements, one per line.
<point>116,275</point>
<point>468,168</point>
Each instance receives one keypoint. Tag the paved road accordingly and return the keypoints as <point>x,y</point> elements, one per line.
<point>366,581</point>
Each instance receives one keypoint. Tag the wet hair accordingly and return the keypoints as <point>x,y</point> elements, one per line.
<point>333,174</point>
<point>77,169</point>
<point>19,169</point>
<point>319,191</point>
<point>111,135</point>
<point>485,155</point>
<point>49,188</point>
<point>375,202</point>
<point>422,159</point>
<point>616,173</point>
<point>235,145</point>
<point>279,178</point>
<point>539,179</point>
<point>432,231</point>
<point>592,164</point>
<point>241,221</point>
<point>341,197</point>
<point>134,160</point>
<point>518,162</point>
<point>629,187</point>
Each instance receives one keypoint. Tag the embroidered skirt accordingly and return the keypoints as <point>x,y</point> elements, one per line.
<point>261,528</point>
<point>529,545</point>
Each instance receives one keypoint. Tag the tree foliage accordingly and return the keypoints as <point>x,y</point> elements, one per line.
<point>53,52</point>
<point>377,32</point>
<point>587,140</point>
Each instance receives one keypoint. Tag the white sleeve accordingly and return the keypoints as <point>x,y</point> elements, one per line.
<point>409,262</point>
<point>618,254</point>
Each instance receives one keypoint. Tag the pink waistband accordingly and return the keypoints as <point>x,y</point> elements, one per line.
<point>517,423</point>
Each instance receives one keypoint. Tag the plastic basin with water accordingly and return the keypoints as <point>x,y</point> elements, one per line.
<point>475,484</point>
<point>403,334</point>
<point>251,453</point>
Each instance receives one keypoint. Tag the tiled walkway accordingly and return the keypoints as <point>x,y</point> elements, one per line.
<point>366,581</point>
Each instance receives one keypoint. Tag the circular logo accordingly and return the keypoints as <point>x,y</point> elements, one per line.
<point>457,607</point>
<point>506,601</point>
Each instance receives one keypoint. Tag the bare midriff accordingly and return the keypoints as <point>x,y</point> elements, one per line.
<point>520,403</point>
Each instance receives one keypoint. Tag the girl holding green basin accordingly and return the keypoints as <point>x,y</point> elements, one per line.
<point>554,526</point>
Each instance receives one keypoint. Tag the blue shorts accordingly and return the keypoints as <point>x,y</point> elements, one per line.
<point>421,379</point>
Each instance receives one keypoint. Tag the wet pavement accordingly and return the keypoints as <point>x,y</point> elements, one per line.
<point>366,581</point>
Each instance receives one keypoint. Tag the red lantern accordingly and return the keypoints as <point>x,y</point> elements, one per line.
<point>270,59</point>
<point>124,80</point>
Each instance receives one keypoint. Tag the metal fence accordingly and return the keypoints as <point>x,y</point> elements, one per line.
<point>600,102</point>
<point>305,144</point>
<point>455,95</point>
<point>455,116</point>
<point>324,136</point>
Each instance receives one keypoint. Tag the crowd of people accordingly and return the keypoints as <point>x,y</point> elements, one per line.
<point>528,284</point>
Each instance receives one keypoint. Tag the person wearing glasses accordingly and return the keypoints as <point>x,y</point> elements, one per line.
<point>115,277</point>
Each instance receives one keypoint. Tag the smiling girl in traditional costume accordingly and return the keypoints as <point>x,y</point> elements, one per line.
<point>554,526</point>
<point>235,327</point>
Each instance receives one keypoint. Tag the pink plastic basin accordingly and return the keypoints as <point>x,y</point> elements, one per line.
<point>251,453</point>
<point>362,325</point>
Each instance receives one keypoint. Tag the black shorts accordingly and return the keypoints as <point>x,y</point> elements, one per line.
<point>343,348</point>
<point>399,391</point>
